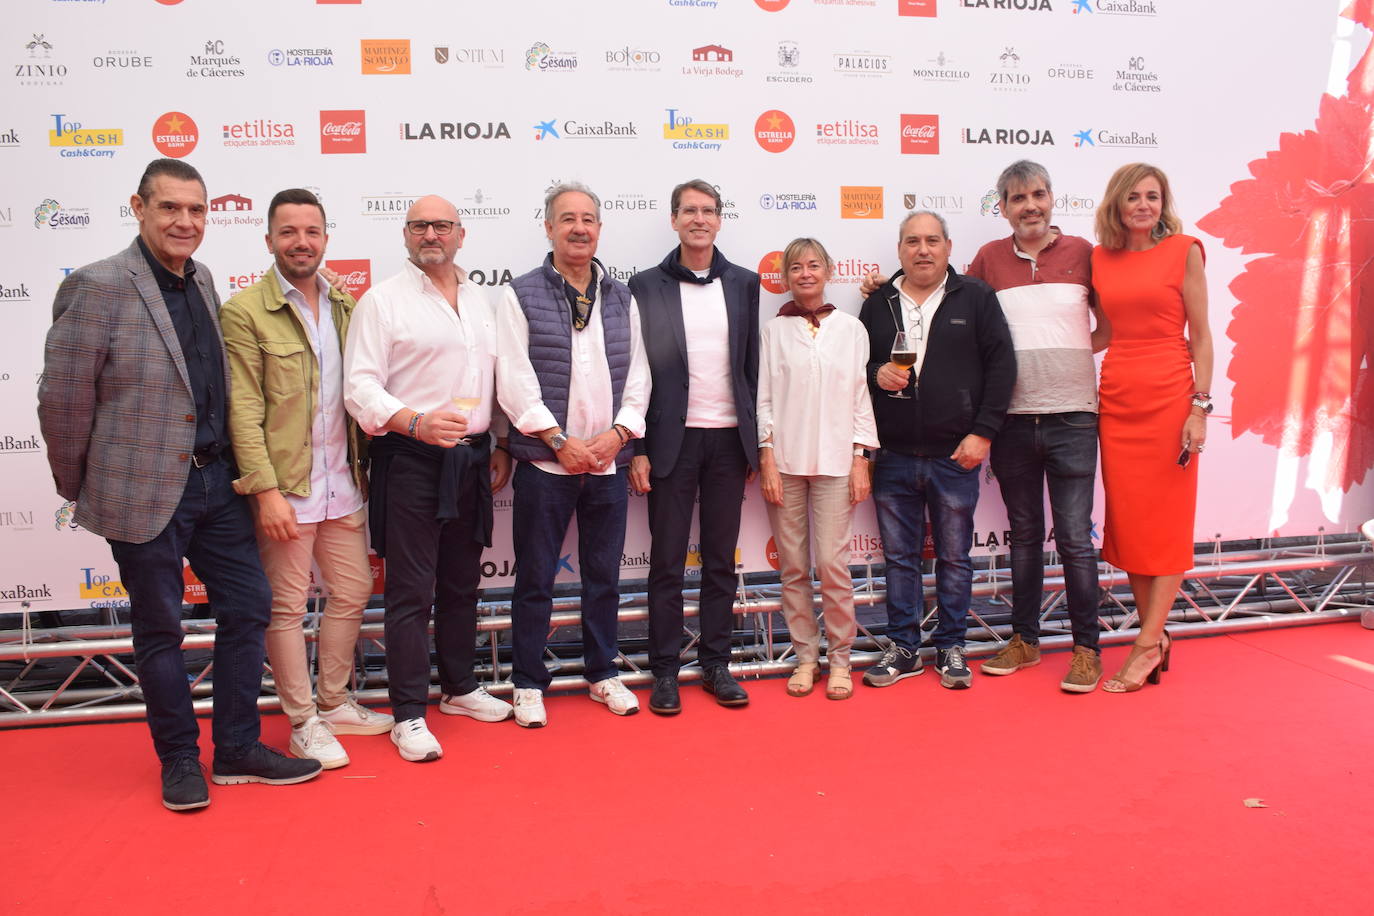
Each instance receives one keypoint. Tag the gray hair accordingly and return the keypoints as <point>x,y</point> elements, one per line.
<point>564,187</point>
<point>1021,172</point>
<point>912,214</point>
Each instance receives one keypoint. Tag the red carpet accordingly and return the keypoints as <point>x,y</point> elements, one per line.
<point>1007,798</point>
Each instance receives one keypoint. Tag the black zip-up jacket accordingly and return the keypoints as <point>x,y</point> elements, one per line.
<point>966,377</point>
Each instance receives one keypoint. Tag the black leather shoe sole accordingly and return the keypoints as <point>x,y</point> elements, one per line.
<point>726,700</point>
<point>664,710</point>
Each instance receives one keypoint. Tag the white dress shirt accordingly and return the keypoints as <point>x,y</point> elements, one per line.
<point>919,319</point>
<point>333,492</point>
<point>590,395</point>
<point>813,394</point>
<point>407,347</point>
<point>706,327</point>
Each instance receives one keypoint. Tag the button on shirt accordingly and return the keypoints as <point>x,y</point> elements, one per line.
<point>333,492</point>
<point>200,347</point>
<point>408,348</point>
<point>920,318</point>
<point>589,388</point>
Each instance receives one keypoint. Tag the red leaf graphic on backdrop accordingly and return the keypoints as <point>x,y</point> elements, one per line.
<point>1302,327</point>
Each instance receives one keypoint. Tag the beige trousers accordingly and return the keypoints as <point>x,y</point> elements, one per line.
<point>816,514</point>
<point>339,546</point>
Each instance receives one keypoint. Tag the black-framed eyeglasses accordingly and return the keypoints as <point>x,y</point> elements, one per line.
<point>421,226</point>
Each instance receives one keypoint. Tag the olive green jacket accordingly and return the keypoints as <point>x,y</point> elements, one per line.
<point>274,386</point>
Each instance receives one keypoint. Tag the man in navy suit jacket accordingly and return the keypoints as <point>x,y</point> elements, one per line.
<point>699,315</point>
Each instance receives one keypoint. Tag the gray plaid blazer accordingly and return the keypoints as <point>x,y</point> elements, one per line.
<point>114,403</point>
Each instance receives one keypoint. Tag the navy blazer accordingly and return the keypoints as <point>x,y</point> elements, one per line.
<point>659,296</point>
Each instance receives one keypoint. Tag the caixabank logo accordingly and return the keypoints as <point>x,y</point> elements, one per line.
<point>14,293</point>
<point>1136,8</point>
<point>1115,139</point>
<point>688,133</point>
<point>175,135</point>
<point>74,140</point>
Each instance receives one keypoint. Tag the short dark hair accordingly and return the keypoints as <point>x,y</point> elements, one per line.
<point>172,168</point>
<point>696,184</point>
<point>1021,172</point>
<point>294,196</point>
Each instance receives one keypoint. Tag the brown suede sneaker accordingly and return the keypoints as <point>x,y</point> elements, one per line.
<point>1085,670</point>
<point>1014,656</point>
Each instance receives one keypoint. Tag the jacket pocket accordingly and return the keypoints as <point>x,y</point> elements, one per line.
<point>284,365</point>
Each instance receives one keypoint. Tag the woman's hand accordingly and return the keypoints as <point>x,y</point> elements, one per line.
<point>1194,432</point>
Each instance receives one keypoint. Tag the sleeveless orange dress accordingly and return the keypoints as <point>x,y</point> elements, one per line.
<point>1146,387</point>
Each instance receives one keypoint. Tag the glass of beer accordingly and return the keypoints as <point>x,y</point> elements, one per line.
<point>904,357</point>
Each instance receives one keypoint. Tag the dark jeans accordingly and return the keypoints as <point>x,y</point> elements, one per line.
<point>429,563</point>
<point>904,489</point>
<point>711,462</point>
<point>1058,449</point>
<point>212,528</point>
<point>544,505</point>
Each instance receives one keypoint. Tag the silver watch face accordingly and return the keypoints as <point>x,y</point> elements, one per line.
<point>557,441</point>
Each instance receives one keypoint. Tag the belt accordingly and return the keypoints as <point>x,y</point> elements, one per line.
<point>203,457</point>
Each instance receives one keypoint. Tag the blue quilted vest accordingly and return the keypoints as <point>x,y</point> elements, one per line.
<point>541,297</point>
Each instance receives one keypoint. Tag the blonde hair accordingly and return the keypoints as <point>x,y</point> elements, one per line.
<point>1110,232</point>
<point>797,247</point>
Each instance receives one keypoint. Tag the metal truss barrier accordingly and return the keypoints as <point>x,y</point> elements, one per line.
<point>1226,591</point>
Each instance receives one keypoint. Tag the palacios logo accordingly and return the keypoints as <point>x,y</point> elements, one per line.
<point>390,56</point>
<point>770,272</point>
<point>175,135</point>
<point>774,130</point>
<point>861,202</point>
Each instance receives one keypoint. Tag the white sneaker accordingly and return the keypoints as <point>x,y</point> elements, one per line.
<point>618,698</point>
<point>413,740</point>
<point>529,708</point>
<point>349,718</point>
<point>313,740</point>
<point>478,704</point>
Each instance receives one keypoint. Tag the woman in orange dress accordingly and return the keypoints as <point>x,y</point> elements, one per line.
<point>1154,401</point>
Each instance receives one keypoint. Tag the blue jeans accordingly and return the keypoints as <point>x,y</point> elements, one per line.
<point>905,487</point>
<point>544,505</point>
<point>212,528</point>
<point>1058,449</point>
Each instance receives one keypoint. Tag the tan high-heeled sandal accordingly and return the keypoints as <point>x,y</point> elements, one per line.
<point>1144,664</point>
<point>803,680</point>
<point>839,686</point>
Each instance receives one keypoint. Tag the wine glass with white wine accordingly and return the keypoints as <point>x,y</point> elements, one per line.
<point>467,391</point>
<point>904,357</point>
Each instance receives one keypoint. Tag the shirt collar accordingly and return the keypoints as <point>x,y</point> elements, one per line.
<point>164,277</point>
<point>422,281</point>
<point>1054,240</point>
<point>291,294</point>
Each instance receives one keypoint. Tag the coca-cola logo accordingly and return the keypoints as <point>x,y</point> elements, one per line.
<point>921,133</point>
<point>343,131</point>
<point>355,273</point>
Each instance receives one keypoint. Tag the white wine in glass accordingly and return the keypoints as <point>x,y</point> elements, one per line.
<point>904,356</point>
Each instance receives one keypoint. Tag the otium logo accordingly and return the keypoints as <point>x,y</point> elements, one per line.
<point>355,273</point>
<point>921,133</point>
<point>343,131</point>
<point>386,56</point>
<point>770,272</point>
<point>76,140</point>
<point>774,131</point>
<point>175,135</point>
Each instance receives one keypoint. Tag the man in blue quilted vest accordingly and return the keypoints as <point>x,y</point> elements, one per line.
<point>572,376</point>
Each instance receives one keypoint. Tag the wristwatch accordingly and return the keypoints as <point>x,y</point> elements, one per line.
<point>860,452</point>
<point>1203,402</point>
<point>557,441</point>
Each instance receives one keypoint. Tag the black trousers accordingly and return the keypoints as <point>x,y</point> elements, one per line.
<point>429,563</point>
<point>712,464</point>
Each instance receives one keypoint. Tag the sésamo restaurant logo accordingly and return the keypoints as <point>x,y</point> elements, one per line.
<point>53,215</point>
<point>385,56</point>
<point>541,57</point>
<point>38,67</point>
<point>75,141</point>
<point>175,135</point>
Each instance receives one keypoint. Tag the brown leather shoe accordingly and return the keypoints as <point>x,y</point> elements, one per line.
<point>1014,656</point>
<point>1085,670</point>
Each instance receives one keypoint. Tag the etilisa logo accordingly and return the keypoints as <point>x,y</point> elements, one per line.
<point>847,132</point>
<point>774,131</point>
<point>1136,77</point>
<point>711,60</point>
<point>784,200</point>
<point>175,135</point>
<point>242,281</point>
<point>573,129</point>
<point>75,141</point>
<point>541,57</point>
<point>688,133</point>
<point>454,130</point>
<point>258,132</point>
<point>941,69</point>
<point>921,134</point>
<point>215,62</point>
<point>355,273</point>
<point>301,57</point>
<point>1007,75</point>
<point>627,59</point>
<point>343,131</point>
<point>487,58</point>
<point>1115,139</point>
<point>861,63</point>
<point>52,214</point>
<point>38,67</point>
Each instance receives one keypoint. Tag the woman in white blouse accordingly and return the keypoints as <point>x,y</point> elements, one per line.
<point>815,421</point>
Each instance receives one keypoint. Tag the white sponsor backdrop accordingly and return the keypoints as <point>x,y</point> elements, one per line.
<point>795,108</point>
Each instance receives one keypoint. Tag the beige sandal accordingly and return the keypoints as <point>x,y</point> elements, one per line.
<point>839,686</point>
<point>803,679</point>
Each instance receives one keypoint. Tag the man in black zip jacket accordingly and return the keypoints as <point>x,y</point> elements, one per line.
<point>936,421</point>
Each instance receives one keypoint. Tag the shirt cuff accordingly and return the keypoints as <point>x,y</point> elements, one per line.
<point>535,419</point>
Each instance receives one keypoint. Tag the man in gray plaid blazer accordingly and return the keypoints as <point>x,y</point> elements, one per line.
<point>132,408</point>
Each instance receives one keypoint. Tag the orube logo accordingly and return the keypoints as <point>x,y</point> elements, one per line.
<point>861,202</point>
<point>343,131</point>
<point>770,272</point>
<point>774,131</point>
<point>175,135</point>
<point>355,273</point>
<point>921,133</point>
<point>386,55</point>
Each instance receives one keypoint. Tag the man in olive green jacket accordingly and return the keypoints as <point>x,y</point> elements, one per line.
<point>299,455</point>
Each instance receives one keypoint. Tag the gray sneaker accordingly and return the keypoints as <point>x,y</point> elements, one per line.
<point>895,665</point>
<point>954,672</point>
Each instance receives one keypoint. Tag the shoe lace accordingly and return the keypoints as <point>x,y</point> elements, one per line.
<point>1082,663</point>
<point>889,659</point>
<point>954,657</point>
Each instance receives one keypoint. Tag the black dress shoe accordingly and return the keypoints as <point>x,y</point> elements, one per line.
<point>263,764</point>
<point>664,700</point>
<point>719,682</point>
<point>183,785</point>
